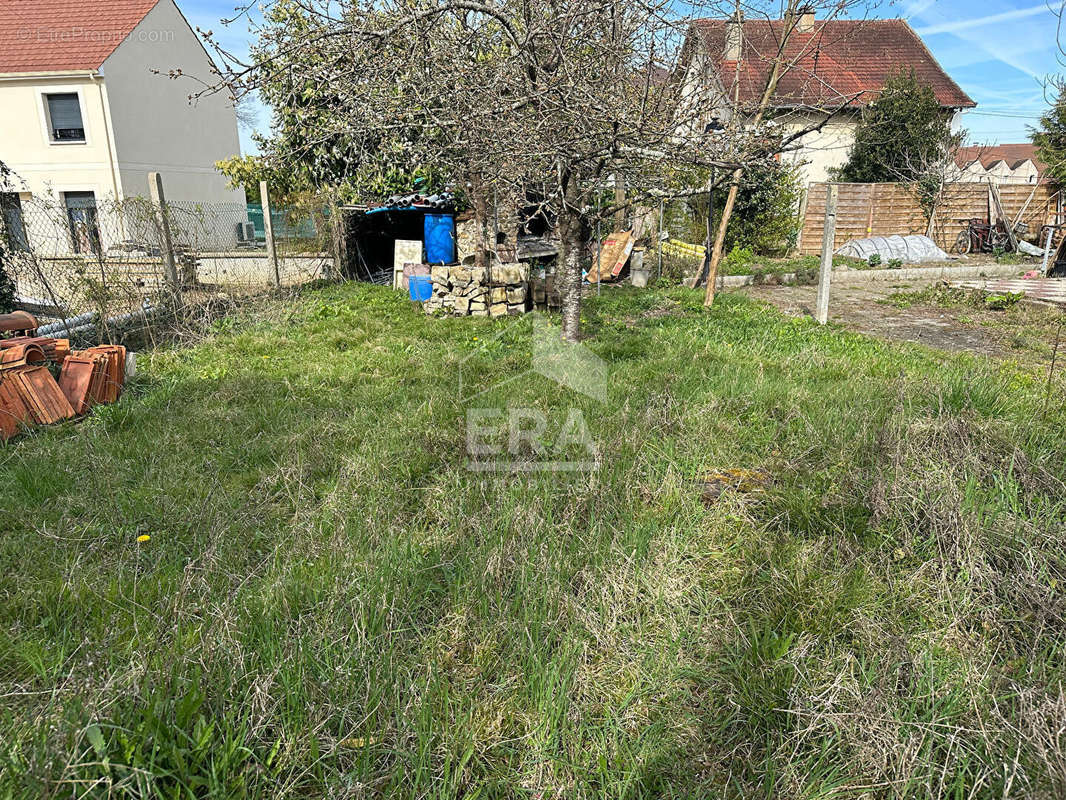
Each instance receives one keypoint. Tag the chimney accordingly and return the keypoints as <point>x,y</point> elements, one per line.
<point>734,36</point>
<point>805,23</point>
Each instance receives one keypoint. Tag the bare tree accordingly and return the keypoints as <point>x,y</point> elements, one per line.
<point>779,56</point>
<point>575,96</point>
<point>933,177</point>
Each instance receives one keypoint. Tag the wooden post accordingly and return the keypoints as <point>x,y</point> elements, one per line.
<point>719,240</point>
<point>828,239</point>
<point>166,244</point>
<point>1002,214</point>
<point>802,217</point>
<point>268,228</point>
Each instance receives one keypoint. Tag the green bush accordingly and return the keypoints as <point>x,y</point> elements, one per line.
<point>737,259</point>
<point>874,260</point>
<point>764,217</point>
<point>1000,302</point>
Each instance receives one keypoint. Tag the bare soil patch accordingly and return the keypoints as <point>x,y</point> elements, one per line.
<point>1025,332</point>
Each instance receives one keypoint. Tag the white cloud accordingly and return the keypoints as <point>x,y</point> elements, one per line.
<point>955,26</point>
<point>1021,38</point>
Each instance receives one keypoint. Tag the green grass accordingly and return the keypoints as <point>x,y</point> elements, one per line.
<point>332,605</point>
<point>943,296</point>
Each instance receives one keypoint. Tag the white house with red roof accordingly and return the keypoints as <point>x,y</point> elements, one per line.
<point>85,116</point>
<point>1002,163</point>
<point>832,70</point>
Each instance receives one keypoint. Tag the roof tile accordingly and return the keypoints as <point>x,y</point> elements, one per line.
<point>842,62</point>
<point>1014,154</point>
<point>57,35</point>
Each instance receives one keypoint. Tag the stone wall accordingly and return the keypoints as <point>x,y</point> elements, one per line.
<point>466,234</point>
<point>462,290</point>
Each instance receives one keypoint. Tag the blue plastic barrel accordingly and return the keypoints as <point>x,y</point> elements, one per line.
<point>420,287</point>
<point>439,234</point>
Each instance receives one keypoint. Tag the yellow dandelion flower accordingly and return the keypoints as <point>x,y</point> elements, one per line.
<point>358,741</point>
<point>144,537</point>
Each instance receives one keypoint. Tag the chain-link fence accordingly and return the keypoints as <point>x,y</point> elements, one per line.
<point>86,263</point>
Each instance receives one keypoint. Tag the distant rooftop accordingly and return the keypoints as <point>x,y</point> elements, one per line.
<point>837,61</point>
<point>1013,154</point>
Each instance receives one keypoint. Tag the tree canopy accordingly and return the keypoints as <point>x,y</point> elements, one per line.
<point>1050,139</point>
<point>568,96</point>
<point>561,94</point>
<point>901,134</point>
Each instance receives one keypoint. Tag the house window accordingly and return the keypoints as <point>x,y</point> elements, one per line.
<point>64,117</point>
<point>84,225</point>
<point>13,223</point>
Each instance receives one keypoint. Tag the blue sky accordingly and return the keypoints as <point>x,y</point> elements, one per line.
<point>998,51</point>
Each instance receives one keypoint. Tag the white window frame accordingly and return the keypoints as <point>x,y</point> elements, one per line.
<point>46,122</point>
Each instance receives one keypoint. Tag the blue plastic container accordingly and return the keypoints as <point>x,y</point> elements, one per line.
<point>420,287</point>
<point>439,234</point>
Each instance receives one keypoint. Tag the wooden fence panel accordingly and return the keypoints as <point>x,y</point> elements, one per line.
<point>884,209</point>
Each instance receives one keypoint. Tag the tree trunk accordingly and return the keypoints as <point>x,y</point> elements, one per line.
<point>573,236</point>
<point>790,13</point>
<point>620,201</point>
<point>479,197</point>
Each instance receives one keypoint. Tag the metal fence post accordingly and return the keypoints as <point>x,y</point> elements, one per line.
<point>268,228</point>
<point>826,270</point>
<point>155,191</point>
<point>659,238</point>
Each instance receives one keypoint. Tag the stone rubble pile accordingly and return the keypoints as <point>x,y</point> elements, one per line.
<point>463,290</point>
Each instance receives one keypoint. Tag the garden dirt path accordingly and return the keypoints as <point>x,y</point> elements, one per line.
<point>1021,332</point>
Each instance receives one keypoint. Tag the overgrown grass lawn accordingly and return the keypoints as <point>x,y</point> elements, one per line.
<point>332,604</point>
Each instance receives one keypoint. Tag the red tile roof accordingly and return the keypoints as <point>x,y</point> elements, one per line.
<point>838,62</point>
<point>1014,154</point>
<point>54,35</point>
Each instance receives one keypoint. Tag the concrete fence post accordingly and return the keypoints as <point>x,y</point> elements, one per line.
<point>166,244</point>
<point>825,271</point>
<point>340,242</point>
<point>268,228</point>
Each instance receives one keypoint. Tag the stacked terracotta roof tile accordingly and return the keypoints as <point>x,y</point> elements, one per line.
<point>42,382</point>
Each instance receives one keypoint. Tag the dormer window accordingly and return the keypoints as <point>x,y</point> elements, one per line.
<point>64,117</point>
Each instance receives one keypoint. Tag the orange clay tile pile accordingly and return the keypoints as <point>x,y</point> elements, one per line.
<point>42,381</point>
